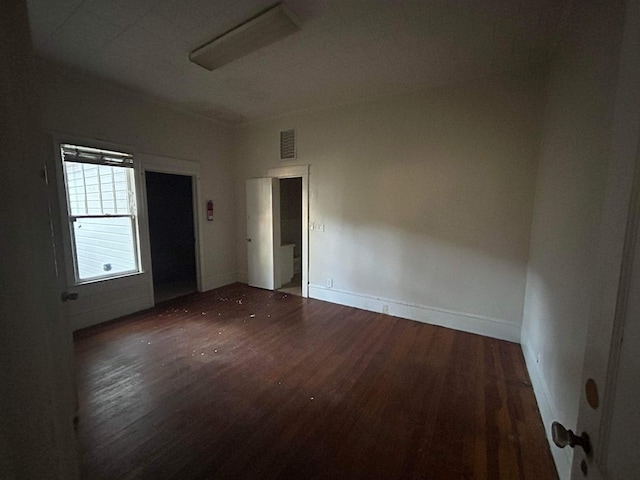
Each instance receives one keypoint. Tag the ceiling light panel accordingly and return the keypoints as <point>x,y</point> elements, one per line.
<point>270,26</point>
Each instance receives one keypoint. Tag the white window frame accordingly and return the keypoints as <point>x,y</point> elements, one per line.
<point>68,231</point>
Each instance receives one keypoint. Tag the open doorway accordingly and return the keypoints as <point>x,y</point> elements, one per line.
<point>291,235</point>
<point>171,234</point>
<point>264,258</point>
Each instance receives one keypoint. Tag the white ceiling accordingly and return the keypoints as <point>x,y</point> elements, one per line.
<point>347,49</point>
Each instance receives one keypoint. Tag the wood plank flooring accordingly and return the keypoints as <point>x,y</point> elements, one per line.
<point>241,383</point>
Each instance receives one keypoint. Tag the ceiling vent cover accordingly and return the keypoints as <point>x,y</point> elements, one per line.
<point>288,144</point>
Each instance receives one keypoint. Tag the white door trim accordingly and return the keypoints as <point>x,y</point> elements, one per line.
<point>174,166</point>
<point>299,171</point>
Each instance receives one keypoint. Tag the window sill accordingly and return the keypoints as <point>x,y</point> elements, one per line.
<point>108,283</point>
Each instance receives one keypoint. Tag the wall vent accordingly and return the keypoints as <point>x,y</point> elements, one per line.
<point>288,144</point>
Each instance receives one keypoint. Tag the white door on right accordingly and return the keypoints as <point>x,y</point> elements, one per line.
<point>610,412</point>
<point>623,445</point>
<point>263,232</point>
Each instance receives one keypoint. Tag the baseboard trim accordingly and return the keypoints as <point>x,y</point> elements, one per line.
<point>562,457</point>
<point>220,280</point>
<point>88,318</point>
<point>489,327</point>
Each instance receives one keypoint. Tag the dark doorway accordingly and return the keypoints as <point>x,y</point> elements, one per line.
<point>171,233</point>
<point>291,235</point>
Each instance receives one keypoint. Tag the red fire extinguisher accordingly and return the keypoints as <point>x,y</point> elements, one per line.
<point>210,210</point>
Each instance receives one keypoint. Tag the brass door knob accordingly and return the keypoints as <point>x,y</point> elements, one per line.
<point>563,437</point>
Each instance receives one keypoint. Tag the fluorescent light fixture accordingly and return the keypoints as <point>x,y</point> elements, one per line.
<point>264,29</point>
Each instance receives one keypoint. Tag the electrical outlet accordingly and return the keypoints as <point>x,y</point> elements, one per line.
<point>321,227</point>
<point>385,309</point>
<point>329,282</point>
<point>312,225</point>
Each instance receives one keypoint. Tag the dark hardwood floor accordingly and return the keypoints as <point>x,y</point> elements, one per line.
<point>240,383</point>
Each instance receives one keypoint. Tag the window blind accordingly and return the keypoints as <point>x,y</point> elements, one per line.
<point>75,153</point>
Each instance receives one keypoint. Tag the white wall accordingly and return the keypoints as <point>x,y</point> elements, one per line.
<point>426,200</point>
<point>81,108</point>
<point>563,276</point>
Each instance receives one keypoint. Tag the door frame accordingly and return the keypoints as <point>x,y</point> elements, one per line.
<point>299,171</point>
<point>173,166</point>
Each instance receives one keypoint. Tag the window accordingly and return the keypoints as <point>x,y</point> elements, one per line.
<point>101,201</point>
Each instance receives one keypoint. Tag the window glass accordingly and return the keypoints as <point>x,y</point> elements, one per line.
<point>101,201</point>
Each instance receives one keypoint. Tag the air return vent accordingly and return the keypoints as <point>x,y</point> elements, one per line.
<point>288,144</point>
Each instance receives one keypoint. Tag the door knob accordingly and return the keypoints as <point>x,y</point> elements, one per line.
<point>248,239</point>
<point>563,437</point>
<point>64,296</point>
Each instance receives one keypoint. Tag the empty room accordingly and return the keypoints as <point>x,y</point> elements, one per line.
<point>320,239</point>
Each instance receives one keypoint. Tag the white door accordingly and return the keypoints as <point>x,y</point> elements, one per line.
<point>609,411</point>
<point>56,196</point>
<point>610,397</point>
<point>263,232</point>
<point>622,446</point>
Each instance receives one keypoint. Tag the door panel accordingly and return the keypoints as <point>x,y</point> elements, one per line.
<point>607,412</point>
<point>263,232</point>
<point>622,460</point>
<point>56,198</point>
<point>610,412</point>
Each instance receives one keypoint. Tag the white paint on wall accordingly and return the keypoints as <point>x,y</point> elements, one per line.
<point>79,108</point>
<point>491,327</point>
<point>426,198</point>
<point>564,276</point>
